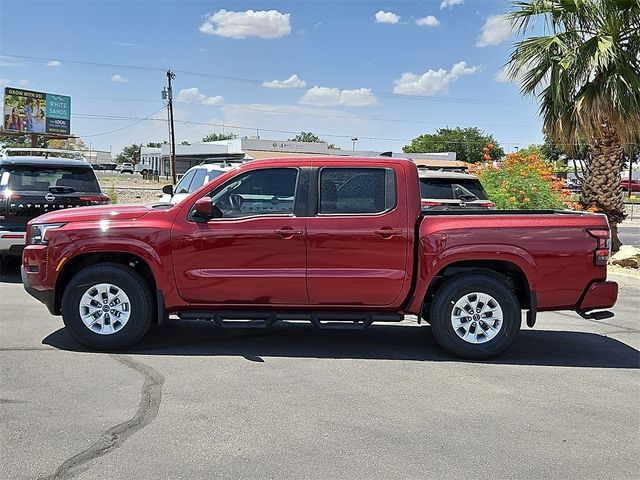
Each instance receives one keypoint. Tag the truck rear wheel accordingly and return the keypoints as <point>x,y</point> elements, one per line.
<point>107,306</point>
<point>475,316</point>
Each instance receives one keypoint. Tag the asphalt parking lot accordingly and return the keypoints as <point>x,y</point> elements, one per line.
<point>195,401</point>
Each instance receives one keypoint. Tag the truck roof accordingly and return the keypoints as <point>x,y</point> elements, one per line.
<point>29,160</point>
<point>426,173</point>
<point>315,161</point>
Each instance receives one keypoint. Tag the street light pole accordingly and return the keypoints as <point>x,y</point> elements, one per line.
<point>174,176</point>
<point>354,140</point>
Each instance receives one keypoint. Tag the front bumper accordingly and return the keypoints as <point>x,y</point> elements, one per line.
<point>599,295</point>
<point>11,243</point>
<point>48,297</point>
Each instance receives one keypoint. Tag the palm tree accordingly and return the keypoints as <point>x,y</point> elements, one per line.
<point>583,63</point>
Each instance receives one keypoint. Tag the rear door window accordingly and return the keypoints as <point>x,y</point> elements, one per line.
<point>28,178</point>
<point>356,190</point>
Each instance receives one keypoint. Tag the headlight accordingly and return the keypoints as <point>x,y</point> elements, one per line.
<point>38,232</point>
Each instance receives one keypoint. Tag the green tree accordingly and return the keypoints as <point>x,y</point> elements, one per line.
<point>214,137</point>
<point>156,144</point>
<point>312,138</point>
<point>184,142</point>
<point>20,141</point>
<point>466,142</point>
<point>130,153</point>
<point>73,143</point>
<point>585,71</point>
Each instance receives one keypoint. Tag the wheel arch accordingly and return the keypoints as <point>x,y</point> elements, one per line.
<point>79,262</point>
<point>502,270</point>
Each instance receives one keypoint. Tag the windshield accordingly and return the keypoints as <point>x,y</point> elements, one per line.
<point>451,189</point>
<point>30,178</point>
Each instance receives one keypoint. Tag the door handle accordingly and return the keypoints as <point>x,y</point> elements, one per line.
<point>387,232</point>
<point>288,232</point>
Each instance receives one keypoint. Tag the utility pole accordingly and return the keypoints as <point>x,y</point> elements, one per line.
<point>171,76</point>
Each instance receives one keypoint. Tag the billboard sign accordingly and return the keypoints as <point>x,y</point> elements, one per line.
<point>36,112</point>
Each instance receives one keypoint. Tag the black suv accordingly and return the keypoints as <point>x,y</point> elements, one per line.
<point>31,186</point>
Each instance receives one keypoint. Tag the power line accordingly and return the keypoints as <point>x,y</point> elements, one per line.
<point>123,128</point>
<point>90,116</point>
<point>257,82</point>
<point>326,115</point>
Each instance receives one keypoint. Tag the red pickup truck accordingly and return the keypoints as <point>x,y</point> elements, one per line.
<point>339,242</point>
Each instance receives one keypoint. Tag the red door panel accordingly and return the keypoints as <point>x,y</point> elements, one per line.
<point>356,259</point>
<point>252,261</point>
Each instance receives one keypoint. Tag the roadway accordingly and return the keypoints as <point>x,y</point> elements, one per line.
<point>194,401</point>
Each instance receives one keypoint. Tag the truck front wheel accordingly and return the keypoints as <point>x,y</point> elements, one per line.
<point>475,316</point>
<point>107,306</point>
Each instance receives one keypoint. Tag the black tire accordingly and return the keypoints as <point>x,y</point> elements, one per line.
<point>142,306</point>
<point>457,288</point>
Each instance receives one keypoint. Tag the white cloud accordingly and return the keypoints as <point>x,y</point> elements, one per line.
<point>261,24</point>
<point>293,118</point>
<point>292,82</point>
<point>387,17</point>
<point>128,45</point>
<point>325,96</point>
<point>53,63</point>
<point>6,61</point>
<point>4,81</point>
<point>428,21</point>
<point>432,81</point>
<point>496,29</point>
<point>502,75</point>
<point>193,95</point>
<point>23,83</point>
<point>450,3</point>
<point>119,79</point>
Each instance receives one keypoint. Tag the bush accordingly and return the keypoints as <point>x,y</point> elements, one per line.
<point>112,194</point>
<point>521,183</point>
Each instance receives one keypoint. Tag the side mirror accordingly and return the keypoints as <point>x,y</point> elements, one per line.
<point>168,190</point>
<point>204,207</point>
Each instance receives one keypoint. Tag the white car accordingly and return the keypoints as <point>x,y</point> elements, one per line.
<point>125,167</point>
<point>195,178</point>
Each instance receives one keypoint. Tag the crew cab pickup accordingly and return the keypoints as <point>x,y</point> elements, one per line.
<point>339,242</point>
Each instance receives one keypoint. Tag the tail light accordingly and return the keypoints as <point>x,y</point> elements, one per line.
<point>8,195</point>
<point>96,199</point>
<point>487,204</point>
<point>603,245</point>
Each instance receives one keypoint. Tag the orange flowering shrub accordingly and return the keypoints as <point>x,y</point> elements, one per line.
<point>522,183</point>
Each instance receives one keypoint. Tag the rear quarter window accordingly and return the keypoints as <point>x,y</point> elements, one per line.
<point>28,178</point>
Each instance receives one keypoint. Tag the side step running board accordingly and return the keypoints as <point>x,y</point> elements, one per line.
<point>322,320</point>
<point>597,315</point>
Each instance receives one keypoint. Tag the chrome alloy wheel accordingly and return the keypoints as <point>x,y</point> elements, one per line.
<point>105,308</point>
<point>476,317</point>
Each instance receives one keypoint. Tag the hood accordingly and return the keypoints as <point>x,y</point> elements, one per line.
<point>94,214</point>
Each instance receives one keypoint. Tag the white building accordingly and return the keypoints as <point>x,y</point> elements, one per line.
<point>239,149</point>
<point>97,156</point>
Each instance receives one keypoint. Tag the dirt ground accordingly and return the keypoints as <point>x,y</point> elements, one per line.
<point>127,188</point>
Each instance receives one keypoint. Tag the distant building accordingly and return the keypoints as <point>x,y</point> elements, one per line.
<point>239,149</point>
<point>150,160</point>
<point>97,156</point>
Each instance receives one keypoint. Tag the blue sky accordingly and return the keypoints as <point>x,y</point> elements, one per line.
<point>384,72</point>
